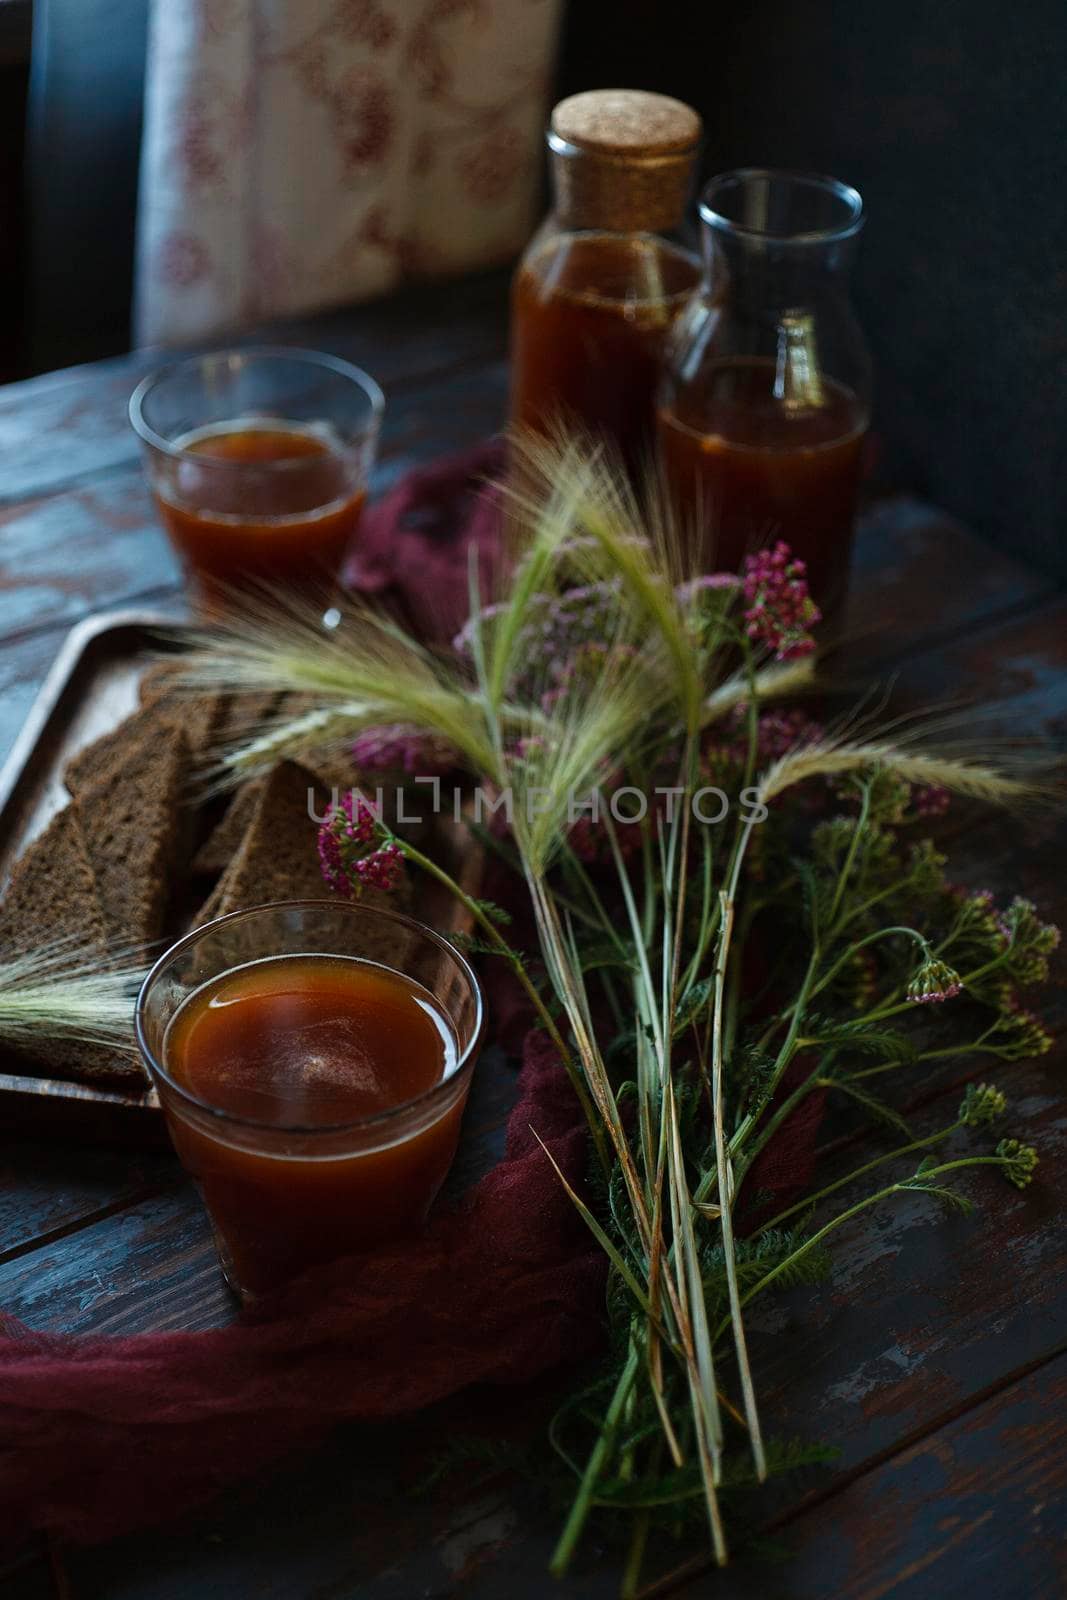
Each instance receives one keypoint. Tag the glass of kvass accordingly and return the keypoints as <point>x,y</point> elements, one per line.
<point>313,1060</point>
<point>765,402</point>
<point>259,460</point>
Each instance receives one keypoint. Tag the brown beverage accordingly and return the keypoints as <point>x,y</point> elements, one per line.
<point>283,515</point>
<point>747,469</point>
<point>315,1043</point>
<point>590,315</point>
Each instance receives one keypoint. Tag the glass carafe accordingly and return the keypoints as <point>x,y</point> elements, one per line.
<point>766,396</point>
<point>600,285</point>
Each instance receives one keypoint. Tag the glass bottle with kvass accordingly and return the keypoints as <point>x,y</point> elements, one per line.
<point>766,395</point>
<point>603,280</point>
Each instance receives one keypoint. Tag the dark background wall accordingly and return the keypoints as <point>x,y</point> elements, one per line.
<point>951,120</point>
<point>949,117</point>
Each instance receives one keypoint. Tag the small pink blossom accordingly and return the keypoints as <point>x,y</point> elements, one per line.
<point>530,746</point>
<point>381,869</point>
<point>777,732</point>
<point>933,982</point>
<point>780,612</point>
<point>584,669</point>
<point>347,855</point>
<point>931,800</point>
<point>399,747</point>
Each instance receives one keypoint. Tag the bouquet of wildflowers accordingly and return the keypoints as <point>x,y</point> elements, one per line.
<point>736,909</point>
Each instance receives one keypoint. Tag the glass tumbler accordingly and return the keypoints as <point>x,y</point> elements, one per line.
<point>259,461</point>
<point>289,1191</point>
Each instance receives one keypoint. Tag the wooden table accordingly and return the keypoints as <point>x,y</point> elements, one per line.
<point>936,1356</point>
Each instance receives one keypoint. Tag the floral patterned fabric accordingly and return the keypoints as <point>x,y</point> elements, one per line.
<point>303,153</point>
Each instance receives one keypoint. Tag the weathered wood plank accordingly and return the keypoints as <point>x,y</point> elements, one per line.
<point>923,1308</point>
<point>976,1508</point>
<point>67,555</point>
<point>917,574</point>
<point>46,1189</point>
<point>150,1264</point>
<point>943,1339</point>
<point>72,424</point>
<point>353,1522</point>
<point>922,1314</point>
<point>30,1580</point>
<point>1005,678</point>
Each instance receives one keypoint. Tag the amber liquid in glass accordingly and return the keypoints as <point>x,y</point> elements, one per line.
<point>590,314</point>
<point>287,524</point>
<point>311,1043</point>
<point>746,469</point>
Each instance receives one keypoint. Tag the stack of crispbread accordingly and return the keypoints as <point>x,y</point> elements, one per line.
<point>128,862</point>
<point>100,876</point>
<point>53,895</point>
<point>271,839</point>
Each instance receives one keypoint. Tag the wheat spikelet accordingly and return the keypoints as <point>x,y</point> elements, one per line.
<point>55,992</point>
<point>828,759</point>
<point>783,678</point>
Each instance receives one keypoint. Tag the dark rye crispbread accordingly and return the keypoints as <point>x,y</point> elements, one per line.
<point>243,714</point>
<point>201,713</point>
<point>198,716</point>
<point>224,840</point>
<point>236,714</point>
<point>133,819</point>
<point>277,858</point>
<point>157,681</point>
<point>105,758</point>
<point>53,887</point>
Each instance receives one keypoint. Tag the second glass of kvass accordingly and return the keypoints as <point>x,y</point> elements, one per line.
<point>766,395</point>
<point>259,459</point>
<point>601,283</point>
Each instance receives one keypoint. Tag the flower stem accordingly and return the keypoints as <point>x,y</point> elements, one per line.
<point>860,944</point>
<point>851,1177</point>
<point>514,960</point>
<point>854,1211</point>
<point>722,1164</point>
<point>635,1556</point>
<point>583,1502</point>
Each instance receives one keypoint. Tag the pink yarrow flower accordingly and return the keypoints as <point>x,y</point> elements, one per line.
<point>779,611</point>
<point>350,858</point>
<point>381,869</point>
<point>931,799</point>
<point>776,733</point>
<point>933,982</point>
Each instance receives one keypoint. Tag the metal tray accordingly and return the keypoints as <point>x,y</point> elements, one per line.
<point>92,687</point>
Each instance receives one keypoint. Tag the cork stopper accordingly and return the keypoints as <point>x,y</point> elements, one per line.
<point>622,159</point>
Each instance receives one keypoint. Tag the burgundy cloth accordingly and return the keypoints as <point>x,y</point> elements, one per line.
<point>100,1435</point>
<point>412,547</point>
<point>780,1173</point>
